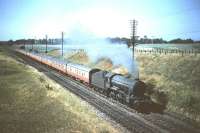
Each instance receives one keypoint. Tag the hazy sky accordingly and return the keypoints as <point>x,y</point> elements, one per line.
<point>102,18</point>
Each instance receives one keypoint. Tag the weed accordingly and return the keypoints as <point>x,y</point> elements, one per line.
<point>49,87</point>
<point>42,80</point>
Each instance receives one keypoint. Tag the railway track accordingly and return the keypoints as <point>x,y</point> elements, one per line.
<point>128,118</point>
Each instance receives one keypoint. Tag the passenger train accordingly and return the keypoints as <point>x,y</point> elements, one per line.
<point>116,86</point>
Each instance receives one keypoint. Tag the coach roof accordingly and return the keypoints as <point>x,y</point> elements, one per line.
<point>81,67</point>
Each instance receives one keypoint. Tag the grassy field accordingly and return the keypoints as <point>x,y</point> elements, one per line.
<point>32,103</point>
<point>173,80</point>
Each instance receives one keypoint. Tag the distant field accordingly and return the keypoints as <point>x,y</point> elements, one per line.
<point>32,103</point>
<point>173,80</point>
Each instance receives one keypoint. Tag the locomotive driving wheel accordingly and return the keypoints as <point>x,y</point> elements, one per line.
<point>119,97</point>
<point>112,95</point>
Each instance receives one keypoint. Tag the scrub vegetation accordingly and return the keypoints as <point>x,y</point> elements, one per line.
<point>32,103</point>
<point>173,80</point>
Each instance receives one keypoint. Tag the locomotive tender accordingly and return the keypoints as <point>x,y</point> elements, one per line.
<point>127,91</point>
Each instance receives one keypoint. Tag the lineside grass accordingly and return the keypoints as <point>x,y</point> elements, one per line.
<point>173,80</point>
<point>32,103</point>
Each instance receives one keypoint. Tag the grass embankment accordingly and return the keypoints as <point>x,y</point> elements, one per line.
<point>55,53</point>
<point>32,103</point>
<point>173,80</point>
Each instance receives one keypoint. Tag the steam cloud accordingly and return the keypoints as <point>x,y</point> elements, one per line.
<point>97,48</point>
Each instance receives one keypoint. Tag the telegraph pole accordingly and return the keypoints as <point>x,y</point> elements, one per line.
<point>152,39</point>
<point>133,35</point>
<point>32,44</point>
<point>35,43</point>
<point>133,41</point>
<point>62,43</point>
<point>24,45</point>
<point>46,43</point>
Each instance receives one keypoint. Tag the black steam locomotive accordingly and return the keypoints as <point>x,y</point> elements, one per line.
<point>127,91</point>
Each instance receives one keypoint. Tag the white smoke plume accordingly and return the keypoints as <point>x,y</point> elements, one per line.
<point>97,48</point>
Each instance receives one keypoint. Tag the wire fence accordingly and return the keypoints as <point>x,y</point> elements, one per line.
<point>181,52</point>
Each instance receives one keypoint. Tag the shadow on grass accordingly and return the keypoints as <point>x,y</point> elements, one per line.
<point>156,108</point>
<point>158,105</point>
<point>150,107</point>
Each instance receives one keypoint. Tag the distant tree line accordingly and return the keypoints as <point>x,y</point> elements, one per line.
<point>38,41</point>
<point>123,40</point>
<point>178,40</point>
<point>143,40</point>
<point>146,40</point>
<point>118,40</point>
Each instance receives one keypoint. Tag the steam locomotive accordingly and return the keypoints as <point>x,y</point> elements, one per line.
<point>125,90</point>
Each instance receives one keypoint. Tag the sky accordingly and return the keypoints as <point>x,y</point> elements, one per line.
<point>168,19</point>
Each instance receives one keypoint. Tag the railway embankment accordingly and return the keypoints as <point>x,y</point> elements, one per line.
<point>31,102</point>
<point>173,80</point>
